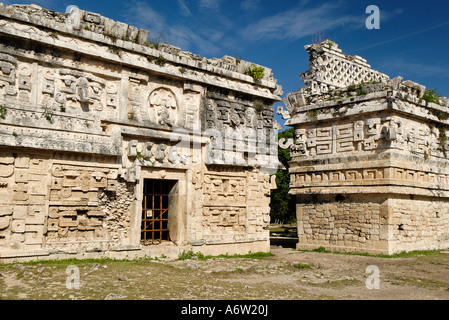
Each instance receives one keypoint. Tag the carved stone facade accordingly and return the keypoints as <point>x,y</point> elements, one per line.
<point>90,111</point>
<point>369,159</point>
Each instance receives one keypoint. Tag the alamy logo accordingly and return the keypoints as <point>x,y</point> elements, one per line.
<point>74,18</point>
<point>373,21</point>
<point>373,281</point>
<point>73,279</point>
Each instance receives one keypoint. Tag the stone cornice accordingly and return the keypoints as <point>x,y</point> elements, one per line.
<point>54,33</point>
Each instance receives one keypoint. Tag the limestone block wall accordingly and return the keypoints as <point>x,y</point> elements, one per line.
<point>343,222</point>
<point>89,109</point>
<point>371,157</point>
<point>420,223</point>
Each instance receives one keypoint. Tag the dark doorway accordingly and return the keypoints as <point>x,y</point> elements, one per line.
<point>155,211</point>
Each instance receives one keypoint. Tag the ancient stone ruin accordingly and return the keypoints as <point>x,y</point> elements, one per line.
<point>111,146</point>
<point>370,158</point>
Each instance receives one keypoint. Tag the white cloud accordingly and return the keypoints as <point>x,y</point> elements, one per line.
<point>192,37</point>
<point>403,36</point>
<point>185,11</point>
<point>299,22</point>
<point>141,14</point>
<point>209,4</point>
<point>415,69</point>
<point>250,4</point>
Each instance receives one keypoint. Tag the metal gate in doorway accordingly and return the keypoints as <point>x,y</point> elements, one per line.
<point>155,209</point>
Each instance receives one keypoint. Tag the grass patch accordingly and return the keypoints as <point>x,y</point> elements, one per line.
<point>74,261</point>
<point>68,261</point>
<point>423,282</point>
<point>190,254</point>
<point>404,254</point>
<point>337,284</point>
<point>284,231</point>
<point>302,266</point>
<point>257,255</point>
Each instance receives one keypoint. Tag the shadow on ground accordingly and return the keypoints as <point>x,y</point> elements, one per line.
<point>285,242</point>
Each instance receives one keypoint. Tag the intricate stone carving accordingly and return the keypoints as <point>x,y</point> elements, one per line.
<point>25,72</point>
<point>164,107</point>
<point>192,109</point>
<point>8,69</point>
<point>76,88</point>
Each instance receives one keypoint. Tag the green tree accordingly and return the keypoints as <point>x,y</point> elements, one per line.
<point>283,204</point>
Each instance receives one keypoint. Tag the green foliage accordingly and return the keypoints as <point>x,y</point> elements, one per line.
<point>313,113</point>
<point>160,61</point>
<point>115,50</point>
<point>439,114</point>
<point>282,203</point>
<point>111,36</point>
<point>256,72</point>
<point>3,112</point>
<point>189,255</point>
<point>258,105</point>
<point>359,88</point>
<point>140,155</point>
<point>442,139</point>
<point>330,43</point>
<point>48,114</point>
<point>432,96</point>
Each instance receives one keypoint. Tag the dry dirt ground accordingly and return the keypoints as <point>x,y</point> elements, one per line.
<point>287,275</point>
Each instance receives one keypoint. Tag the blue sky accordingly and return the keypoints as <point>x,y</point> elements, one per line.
<point>413,39</point>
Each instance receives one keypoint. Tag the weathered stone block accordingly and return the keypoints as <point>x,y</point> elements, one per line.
<point>142,37</point>
<point>33,235</point>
